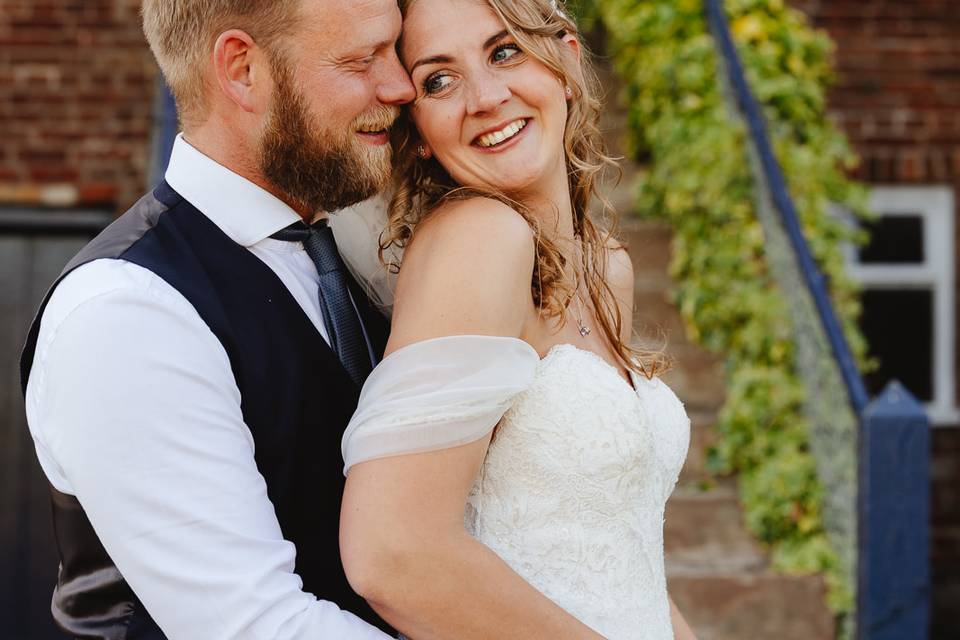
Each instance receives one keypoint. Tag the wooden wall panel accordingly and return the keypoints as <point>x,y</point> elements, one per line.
<point>28,559</point>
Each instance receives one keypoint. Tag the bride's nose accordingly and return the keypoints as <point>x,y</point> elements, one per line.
<point>486,91</point>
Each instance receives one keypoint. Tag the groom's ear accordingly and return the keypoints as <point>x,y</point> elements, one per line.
<point>241,70</point>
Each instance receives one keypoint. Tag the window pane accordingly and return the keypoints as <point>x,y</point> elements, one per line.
<point>898,325</point>
<point>894,239</point>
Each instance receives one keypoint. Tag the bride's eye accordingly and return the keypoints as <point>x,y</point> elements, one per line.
<point>505,52</point>
<point>436,82</point>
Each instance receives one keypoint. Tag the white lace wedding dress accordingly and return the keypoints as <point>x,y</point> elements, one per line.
<point>572,491</point>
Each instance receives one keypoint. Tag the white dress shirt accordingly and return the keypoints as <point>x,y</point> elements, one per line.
<point>134,409</point>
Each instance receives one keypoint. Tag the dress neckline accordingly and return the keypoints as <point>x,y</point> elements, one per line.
<point>631,384</point>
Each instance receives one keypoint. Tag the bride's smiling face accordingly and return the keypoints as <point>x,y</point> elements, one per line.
<point>492,115</point>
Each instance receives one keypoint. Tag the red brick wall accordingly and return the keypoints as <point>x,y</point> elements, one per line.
<point>945,539</point>
<point>76,102</point>
<point>898,96</point>
<point>898,100</point>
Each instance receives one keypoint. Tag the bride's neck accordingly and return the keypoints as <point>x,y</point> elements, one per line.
<point>553,207</point>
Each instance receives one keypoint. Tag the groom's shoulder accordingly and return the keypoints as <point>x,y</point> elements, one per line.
<point>100,274</point>
<point>128,228</point>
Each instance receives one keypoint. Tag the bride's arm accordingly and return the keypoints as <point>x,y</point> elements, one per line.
<point>681,630</point>
<point>402,537</point>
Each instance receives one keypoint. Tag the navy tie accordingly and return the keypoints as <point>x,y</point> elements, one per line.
<point>339,315</point>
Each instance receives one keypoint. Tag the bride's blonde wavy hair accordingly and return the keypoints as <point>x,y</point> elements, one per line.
<point>421,185</point>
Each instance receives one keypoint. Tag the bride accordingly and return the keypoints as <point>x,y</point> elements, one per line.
<point>510,459</point>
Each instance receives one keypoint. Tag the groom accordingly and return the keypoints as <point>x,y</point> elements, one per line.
<point>190,374</point>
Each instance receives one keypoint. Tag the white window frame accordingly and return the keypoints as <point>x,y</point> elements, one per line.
<point>935,205</point>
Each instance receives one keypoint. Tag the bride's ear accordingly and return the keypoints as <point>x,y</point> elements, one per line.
<point>573,43</point>
<point>573,65</point>
<point>423,150</point>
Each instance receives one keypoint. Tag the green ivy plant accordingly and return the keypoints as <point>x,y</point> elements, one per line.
<point>697,177</point>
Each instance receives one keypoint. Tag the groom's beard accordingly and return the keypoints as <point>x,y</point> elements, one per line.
<point>322,169</point>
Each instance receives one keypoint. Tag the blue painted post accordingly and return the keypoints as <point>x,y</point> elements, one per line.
<point>165,130</point>
<point>894,519</point>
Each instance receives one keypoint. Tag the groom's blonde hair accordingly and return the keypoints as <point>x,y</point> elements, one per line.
<point>182,33</point>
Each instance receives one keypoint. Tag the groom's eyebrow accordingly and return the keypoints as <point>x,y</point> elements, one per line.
<point>443,59</point>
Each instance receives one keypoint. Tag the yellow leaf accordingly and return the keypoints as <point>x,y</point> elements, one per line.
<point>748,27</point>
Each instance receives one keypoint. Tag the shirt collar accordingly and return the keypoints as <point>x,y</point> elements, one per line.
<point>242,210</point>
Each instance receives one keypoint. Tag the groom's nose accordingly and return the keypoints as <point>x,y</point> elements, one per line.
<point>395,87</point>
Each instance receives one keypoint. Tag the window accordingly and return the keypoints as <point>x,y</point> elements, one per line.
<point>907,273</point>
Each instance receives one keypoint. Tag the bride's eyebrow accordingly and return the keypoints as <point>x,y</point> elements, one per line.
<point>441,59</point>
<point>494,39</point>
<point>444,59</point>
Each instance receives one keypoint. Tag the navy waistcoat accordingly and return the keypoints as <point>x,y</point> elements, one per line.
<point>296,399</point>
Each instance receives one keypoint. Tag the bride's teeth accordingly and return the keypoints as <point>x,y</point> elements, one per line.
<point>499,136</point>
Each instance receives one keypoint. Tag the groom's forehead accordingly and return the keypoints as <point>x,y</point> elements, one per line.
<point>371,20</point>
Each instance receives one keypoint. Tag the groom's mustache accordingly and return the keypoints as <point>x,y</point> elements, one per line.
<point>380,118</point>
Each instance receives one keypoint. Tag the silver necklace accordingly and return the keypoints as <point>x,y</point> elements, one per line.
<point>584,329</point>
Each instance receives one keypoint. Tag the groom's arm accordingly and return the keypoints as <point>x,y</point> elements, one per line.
<point>135,411</point>
<point>402,537</point>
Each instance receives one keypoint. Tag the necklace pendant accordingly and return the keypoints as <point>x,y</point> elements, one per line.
<point>584,331</point>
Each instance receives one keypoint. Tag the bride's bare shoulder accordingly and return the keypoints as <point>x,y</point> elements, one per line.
<point>620,275</point>
<point>620,278</point>
<point>484,220</point>
<point>467,269</point>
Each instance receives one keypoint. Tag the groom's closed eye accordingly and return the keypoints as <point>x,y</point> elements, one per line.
<point>364,56</point>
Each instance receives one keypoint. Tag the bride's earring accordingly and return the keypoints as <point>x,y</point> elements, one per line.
<point>569,92</point>
<point>421,152</point>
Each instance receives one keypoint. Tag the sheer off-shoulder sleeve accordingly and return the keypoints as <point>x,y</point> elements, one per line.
<point>437,394</point>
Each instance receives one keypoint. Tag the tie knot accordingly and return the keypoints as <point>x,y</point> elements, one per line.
<point>299,231</point>
<point>318,241</point>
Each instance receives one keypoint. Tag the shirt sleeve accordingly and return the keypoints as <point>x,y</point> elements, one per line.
<point>135,411</point>
<point>437,394</point>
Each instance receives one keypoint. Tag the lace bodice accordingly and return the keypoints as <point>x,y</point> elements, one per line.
<point>572,492</point>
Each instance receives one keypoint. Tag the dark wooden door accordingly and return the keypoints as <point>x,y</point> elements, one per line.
<point>34,247</point>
